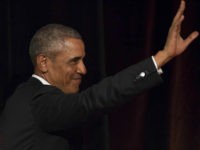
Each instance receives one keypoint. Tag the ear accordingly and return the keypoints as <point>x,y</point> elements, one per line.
<point>41,61</point>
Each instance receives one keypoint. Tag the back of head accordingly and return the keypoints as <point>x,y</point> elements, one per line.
<point>49,38</point>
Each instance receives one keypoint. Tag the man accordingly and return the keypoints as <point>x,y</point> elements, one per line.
<point>48,104</point>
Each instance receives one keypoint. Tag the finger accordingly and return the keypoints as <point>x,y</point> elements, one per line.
<point>179,17</point>
<point>179,24</point>
<point>191,38</point>
<point>175,29</point>
<point>180,11</point>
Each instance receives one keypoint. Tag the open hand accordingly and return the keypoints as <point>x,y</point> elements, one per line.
<point>175,44</point>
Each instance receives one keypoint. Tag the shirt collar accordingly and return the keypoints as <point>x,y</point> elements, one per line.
<point>42,80</point>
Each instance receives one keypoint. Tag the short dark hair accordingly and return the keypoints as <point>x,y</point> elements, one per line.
<point>48,37</point>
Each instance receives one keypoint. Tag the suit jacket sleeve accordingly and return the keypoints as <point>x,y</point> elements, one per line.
<point>54,110</point>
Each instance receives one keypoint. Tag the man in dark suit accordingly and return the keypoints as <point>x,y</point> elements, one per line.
<point>48,104</point>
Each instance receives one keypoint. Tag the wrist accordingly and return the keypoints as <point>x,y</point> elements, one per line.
<point>161,58</point>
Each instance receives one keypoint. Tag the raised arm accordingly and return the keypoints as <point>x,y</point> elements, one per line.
<point>175,44</point>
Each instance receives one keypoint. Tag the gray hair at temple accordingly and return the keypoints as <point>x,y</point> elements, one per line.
<point>49,39</point>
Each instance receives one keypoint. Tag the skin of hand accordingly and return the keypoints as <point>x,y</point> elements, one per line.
<point>175,44</point>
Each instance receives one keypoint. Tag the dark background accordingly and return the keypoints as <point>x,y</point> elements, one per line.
<point>117,34</point>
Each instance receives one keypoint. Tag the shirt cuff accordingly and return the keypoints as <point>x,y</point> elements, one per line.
<point>159,70</point>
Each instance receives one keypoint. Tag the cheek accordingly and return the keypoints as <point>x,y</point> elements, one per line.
<point>68,74</point>
<point>63,74</point>
<point>57,74</point>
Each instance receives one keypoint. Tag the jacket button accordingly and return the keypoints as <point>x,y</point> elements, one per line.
<point>142,74</point>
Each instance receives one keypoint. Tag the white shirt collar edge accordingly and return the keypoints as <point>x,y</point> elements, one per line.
<point>42,80</point>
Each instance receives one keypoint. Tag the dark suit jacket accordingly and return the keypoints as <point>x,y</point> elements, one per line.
<point>36,114</point>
